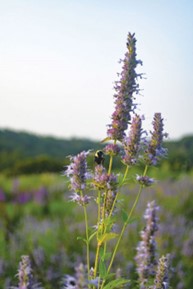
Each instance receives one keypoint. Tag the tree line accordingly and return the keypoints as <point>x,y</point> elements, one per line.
<point>26,153</point>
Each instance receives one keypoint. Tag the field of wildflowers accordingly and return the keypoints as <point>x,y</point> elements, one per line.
<point>46,230</point>
<point>97,228</point>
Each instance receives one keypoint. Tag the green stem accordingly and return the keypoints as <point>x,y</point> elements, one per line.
<point>111,161</point>
<point>87,237</point>
<point>110,164</point>
<point>145,170</point>
<point>124,227</point>
<point>98,246</point>
<point>96,260</point>
<point>87,241</point>
<point>125,175</point>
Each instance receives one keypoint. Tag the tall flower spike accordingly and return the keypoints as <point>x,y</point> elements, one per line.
<point>155,151</point>
<point>146,257</point>
<point>131,144</point>
<point>25,273</point>
<point>78,172</point>
<point>162,280</point>
<point>125,89</point>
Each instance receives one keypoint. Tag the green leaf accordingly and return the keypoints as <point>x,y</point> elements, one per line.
<point>91,236</point>
<point>124,216</point>
<point>102,269</point>
<point>106,237</point>
<point>107,256</point>
<point>82,239</point>
<point>116,283</point>
<point>104,255</point>
<point>132,220</point>
<point>109,221</point>
<point>106,139</point>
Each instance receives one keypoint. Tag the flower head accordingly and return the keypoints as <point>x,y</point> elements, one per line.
<point>145,180</point>
<point>112,149</point>
<point>155,151</point>
<point>131,144</point>
<point>80,200</point>
<point>78,172</point>
<point>125,89</point>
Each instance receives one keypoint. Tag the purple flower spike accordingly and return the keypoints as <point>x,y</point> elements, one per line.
<point>155,151</point>
<point>146,251</point>
<point>25,273</point>
<point>131,144</point>
<point>100,177</point>
<point>77,171</point>
<point>125,89</point>
<point>162,279</point>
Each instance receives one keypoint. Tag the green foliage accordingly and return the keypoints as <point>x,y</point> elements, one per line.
<point>22,152</point>
<point>180,157</point>
<point>37,165</point>
<point>25,153</point>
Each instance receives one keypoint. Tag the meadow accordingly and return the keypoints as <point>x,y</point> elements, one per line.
<point>118,217</point>
<point>38,219</point>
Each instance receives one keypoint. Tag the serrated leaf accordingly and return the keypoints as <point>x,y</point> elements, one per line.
<point>116,283</point>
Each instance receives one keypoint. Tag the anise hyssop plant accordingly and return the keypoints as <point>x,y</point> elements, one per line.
<point>128,142</point>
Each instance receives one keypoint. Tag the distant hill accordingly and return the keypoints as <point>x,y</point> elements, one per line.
<point>23,152</point>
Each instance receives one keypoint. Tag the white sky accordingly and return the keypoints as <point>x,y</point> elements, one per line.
<point>59,61</point>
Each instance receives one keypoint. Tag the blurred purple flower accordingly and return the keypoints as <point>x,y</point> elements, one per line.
<point>25,273</point>
<point>2,196</point>
<point>125,89</point>
<point>23,197</point>
<point>146,250</point>
<point>41,195</point>
<point>145,180</point>
<point>15,187</point>
<point>26,280</point>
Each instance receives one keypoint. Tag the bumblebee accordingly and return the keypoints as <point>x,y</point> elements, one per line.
<point>99,157</point>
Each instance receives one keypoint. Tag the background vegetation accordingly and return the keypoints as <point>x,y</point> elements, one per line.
<point>25,153</point>
<point>36,217</point>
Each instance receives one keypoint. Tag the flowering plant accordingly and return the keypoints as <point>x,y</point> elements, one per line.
<point>127,141</point>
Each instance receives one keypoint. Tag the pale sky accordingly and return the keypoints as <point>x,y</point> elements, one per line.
<point>59,60</point>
